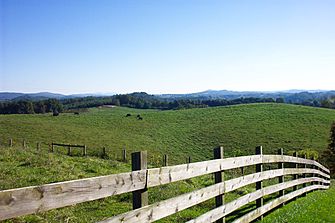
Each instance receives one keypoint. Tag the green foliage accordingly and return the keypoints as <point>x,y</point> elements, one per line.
<point>30,107</point>
<point>331,145</point>
<point>316,207</point>
<point>328,102</point>
<point>280,100</point>
<point>328,156</point>
<point>309,153</point>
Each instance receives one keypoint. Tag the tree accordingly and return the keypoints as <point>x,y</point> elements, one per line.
<point>331,145</point>
<point>39,107</point>
<point>280,100</point>
<point>328,155</point>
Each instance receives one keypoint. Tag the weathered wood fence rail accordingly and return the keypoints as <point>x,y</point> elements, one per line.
<point>28,200</point>
<point>69,147</point>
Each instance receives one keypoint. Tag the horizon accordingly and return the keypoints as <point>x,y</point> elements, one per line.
<point>172,93</point>
<point>166,47</point>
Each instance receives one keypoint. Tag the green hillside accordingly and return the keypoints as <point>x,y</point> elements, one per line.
<point>317,207</point>
<point>179,133</point>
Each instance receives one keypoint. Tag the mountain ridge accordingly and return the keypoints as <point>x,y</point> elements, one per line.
<point>207,94</point>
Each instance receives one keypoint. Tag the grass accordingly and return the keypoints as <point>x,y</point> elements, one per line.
<point>179,134</point>
<point>21,168</point>
<point>316,207</point>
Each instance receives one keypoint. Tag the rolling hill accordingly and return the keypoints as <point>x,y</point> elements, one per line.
<point>180,133</point>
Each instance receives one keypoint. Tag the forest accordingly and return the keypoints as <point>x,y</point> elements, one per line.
<point>141,100</point>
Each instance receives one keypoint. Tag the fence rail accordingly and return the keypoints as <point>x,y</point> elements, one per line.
<point>34,199</point>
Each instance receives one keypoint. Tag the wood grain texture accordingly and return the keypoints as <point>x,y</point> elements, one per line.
<point>168,207</point>
<point>291,159</point>
<point>165,175</point>
<point>171,206</point>
<point>22,201</point>
<point>228,208</point>
<point>274,203</point>
<point>28,200</point>
<point>66,145</point>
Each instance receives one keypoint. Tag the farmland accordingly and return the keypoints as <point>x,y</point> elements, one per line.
<point>180,133</point>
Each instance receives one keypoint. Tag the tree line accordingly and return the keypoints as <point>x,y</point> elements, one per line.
<point>145,101</point>
<point>31,107</point>
<point>140,100</point>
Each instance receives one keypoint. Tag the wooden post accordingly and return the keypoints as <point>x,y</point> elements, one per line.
<point>69,150</point>
<point>124,155</point>
<point>242,171</point>
<point>320,183</point>
<point>295,176</point>
<point>259,184</point>
<point>139,162</point>
<point>165,160</point>
<point>219,177</point>
<point>85,150</point>
<point>52,147</point>
<point>281,178</point>
<point>10,142</point>
<point>103,151</point>
<point>304,176</point>
<point>38,146</point>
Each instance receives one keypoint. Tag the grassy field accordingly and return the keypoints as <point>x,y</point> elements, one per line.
<point>179,134</point>
<point>316,207</point>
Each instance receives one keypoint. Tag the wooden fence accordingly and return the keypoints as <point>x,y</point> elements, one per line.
<point>69,147</point>
<point>308,174</point>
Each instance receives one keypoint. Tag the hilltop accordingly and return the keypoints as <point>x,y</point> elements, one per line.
<point>179,133</point>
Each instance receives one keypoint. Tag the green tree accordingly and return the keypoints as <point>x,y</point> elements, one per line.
<point>280,100</point>
<point>328,156</point>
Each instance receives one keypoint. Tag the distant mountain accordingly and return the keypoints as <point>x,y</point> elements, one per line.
<point>33,96</point>
<point>290,96</point>
<point>7,96</point>
<point>90,95</point>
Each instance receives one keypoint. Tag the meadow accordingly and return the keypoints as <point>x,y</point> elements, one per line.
<point>180,133</point>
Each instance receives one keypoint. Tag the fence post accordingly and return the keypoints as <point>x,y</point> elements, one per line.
<point>124,155</point>
<point>219,177</point>
<point>103,151</point>
<point>52,147</point>
<point>10,142</point>
<point>24,144</point>
<point>69,150</point>
<point>304,175</point>
<point>84,150</point>
<point>188,159</point>
<point>165,160</point>
<point>318,168</point>
<point>139,162</point>
<point>281,178</point>
<point>259,184</point>
<point>38,146</point>
<point>242,171</point>
<point>295,176</point>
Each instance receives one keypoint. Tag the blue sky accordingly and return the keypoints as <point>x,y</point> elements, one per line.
<point>166,46</point>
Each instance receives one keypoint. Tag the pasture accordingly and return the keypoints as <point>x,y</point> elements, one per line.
<point>179,134</point>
